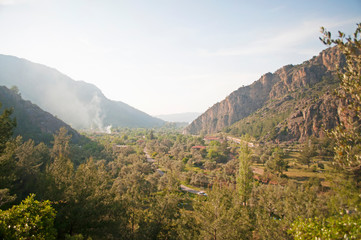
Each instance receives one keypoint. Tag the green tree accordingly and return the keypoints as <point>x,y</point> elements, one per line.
<point>7,126</point>
<point>245,174</point>
<point>276,163</point>
<point>306,155</point>
<point>30,219</point>
<point>348,135</point>
<point>335,227</point>
<point>276,207</point>
<point>160,219</point>
<point>220,216</point>
<point>90,208</point>
<point>61,170</point>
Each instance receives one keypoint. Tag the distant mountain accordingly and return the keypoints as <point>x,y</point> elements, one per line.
<point>289,105</point>
<point>33,122</point>
<point>78,103</point>
<point>179,117</point>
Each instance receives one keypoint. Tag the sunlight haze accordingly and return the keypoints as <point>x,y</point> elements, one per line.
<point>165,57</point>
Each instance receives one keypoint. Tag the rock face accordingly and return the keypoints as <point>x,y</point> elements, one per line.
<point>80,104</point>
<point>311,119</point>
<point>301,94</point>
<point>33,122</point>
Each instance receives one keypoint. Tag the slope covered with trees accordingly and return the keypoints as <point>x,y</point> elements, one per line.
<point>32,122</point>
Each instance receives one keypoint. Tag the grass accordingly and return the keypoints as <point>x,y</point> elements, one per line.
<point>301,173</point>
<point>189,168</point>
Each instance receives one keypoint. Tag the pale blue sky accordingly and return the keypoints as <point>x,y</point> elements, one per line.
<point>169,56</point>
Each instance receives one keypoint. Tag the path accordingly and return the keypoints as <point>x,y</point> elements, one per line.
<point>183,188</point>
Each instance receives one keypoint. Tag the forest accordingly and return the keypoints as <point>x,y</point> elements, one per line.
<point>130,184</point>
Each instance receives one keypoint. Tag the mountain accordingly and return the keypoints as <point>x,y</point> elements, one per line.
<point>179,117</point>
<point>78,103</point>
<point>33,122</point>
<point>288,105</point>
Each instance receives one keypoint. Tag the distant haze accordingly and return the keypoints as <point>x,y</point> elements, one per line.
<point>165,56</point>
<point>179,117</point>
<point>80,104</point>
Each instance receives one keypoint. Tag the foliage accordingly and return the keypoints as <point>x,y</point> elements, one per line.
<point>348,135</point>
<point>277,163</point>
<point>30,219</point>
<point>276,207</point>
<point>5,197</point>
<point>335,227</point>
<point>307,152</point>
<point>7,126</point>
<point>220,216</point>
<point>245,175</point>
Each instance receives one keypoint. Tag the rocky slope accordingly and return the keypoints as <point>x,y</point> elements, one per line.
<point>78,103</point>
<point>290,104</point>
<point>33,122</point>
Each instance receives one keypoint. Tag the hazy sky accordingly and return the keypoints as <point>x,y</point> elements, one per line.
<point>169,56</point>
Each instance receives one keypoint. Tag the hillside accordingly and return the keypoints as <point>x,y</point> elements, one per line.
<point>290,104</point>
<point>33,122</point>
<point>80,104</point>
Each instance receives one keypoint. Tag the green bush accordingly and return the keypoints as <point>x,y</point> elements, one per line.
<point>30,219</point>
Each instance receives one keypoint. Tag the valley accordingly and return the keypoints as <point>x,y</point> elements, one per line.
<point>277,159</point>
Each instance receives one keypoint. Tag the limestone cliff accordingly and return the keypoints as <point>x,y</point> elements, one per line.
<point>289,104</point>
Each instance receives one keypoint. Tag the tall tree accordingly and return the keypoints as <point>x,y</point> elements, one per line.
<point>219,216</point>
<point>61,170</point>
<point>245,174</point>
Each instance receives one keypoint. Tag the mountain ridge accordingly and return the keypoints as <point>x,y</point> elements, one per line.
<point>33,122</point>
<point>78,103</point>
<point>288,84</point>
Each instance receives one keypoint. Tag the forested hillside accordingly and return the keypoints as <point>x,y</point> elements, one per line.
<point>32,122</point>
<point>80,104</point>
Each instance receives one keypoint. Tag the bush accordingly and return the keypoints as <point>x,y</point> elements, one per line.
<point>30,219</point>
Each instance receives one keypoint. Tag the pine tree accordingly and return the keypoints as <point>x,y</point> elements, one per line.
<point>245,174</point>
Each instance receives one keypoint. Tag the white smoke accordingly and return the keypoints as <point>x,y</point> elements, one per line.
<point>109,129</point>
<point>95,114</point>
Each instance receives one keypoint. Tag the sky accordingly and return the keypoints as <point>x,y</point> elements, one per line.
<point>170,56</point>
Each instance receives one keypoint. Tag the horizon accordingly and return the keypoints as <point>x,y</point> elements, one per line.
<point>174,57</point>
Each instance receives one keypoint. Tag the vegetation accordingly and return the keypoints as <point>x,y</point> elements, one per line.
<point>132,184</point>
<point>348,134</point>
<point>30,219</point>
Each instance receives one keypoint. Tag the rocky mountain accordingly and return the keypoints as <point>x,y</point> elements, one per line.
<point>290,104</point>
<point>33,122</point>
<point>179,117</point>
<point>78,103</point>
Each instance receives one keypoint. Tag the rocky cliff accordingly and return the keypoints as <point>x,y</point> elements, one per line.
<point>289,104</point>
